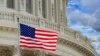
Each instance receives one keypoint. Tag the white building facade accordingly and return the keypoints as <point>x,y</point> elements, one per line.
<point>44,14</point>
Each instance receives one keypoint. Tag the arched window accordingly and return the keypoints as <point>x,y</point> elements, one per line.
<point>10,4</point>
<point>29,6</point>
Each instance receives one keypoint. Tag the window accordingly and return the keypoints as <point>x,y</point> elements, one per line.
<point>62,16</point>
<point>55,13</point>
<point>29,6</point>
<point>39,6</point>
<point>53,9</point>
<point>10,4</point>
<point>43,8</point>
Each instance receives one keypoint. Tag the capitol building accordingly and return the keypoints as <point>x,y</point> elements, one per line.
<point>44,14</point>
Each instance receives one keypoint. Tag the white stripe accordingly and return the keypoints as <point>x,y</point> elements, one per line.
<point>38,42</point>
<point>44,29</point>
<point>30,41</point>
<point>26,37</point>
<point>49,47</point>
<point>34,45</point>
<point>46,33</point>
<point>30,45</point>
<point>38,46</point>
<point>41,40</point>
<point>39,36</point>
<point>54,44</point>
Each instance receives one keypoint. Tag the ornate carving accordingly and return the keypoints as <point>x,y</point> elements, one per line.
<point>22,3</point>
<point>51,54</point>
<point>75,46</point>
<point>8,29</point>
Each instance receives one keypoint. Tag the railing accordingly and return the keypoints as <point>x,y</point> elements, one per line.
<point>6,16</point>
<point>11,17</point>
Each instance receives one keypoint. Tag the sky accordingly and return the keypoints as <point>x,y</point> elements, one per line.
<point>84,16</point>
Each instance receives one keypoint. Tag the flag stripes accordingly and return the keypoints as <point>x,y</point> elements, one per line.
<point>44,39</point>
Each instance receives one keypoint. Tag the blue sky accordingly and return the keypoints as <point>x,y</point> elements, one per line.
<point>84,16</point>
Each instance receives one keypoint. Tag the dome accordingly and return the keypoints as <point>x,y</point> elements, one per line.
<point>44,14</point>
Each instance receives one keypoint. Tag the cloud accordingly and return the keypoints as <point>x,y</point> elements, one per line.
<point>77,15</point>
<point>91,5</point>
<point>84,16</point>
<point>97,24</point>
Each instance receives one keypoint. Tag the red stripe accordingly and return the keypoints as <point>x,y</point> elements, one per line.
<point>26,39</point>
<point>46,34</point>
<point>30,40</point>
<point>49,45</point>
<point>41,30</point>
<point>29,43</point>
<point>51,42</point>
<point>30,46</point>
<point>37,44</point>
<point>47,38</point>
<point>25,46</point>
<point>36,47</point>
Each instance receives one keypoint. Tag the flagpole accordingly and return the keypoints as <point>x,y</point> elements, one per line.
<point>19,54</point>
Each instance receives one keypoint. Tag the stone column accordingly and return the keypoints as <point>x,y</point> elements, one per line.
<point>47,9</point>
<point>56,11</point>
<point>33,6</point>
<point>58,3</point>
<point>40,8</point>
<point>3,4</point>
<point>64,12</point>
<point>36,7</point>
<point>16,3</point>
<point>52,10</point>
<point>22,4</point>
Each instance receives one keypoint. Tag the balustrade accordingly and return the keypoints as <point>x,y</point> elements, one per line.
<point>5,16</point>
<point>42,23</point>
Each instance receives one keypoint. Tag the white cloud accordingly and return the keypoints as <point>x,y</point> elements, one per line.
<point>78,16</point>
<point>92,4</point>
<point>86,19</point>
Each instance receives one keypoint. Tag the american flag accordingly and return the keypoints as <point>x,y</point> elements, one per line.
<point>37,38</point>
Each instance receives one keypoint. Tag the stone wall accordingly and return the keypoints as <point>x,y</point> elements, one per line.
<point>6,51</point>
<point>10,51</point>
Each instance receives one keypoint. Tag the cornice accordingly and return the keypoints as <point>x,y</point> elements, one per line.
<point>8,29</point>
<point>75,46</point>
